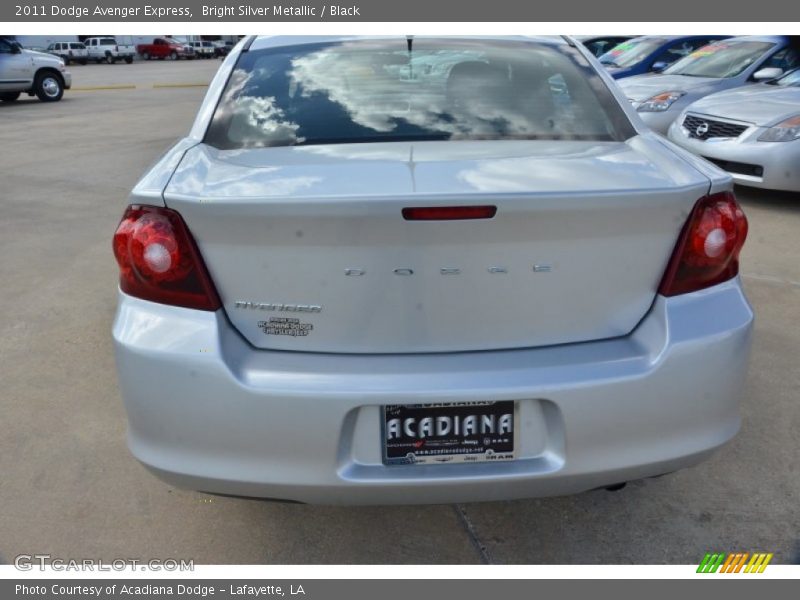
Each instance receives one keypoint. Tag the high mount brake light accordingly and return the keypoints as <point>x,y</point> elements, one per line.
<point>707,252</point>
<point>448,213</point>
<point>159,261</point>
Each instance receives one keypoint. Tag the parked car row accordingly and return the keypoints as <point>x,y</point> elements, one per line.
<point>107,49</point>
<point>735,101</point>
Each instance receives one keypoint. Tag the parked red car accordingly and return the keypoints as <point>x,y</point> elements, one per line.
<point>162,48</point>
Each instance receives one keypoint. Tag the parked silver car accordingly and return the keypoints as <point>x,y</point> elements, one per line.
<point>752,132</point>
<point>417,270</point>
<point>731,63</point>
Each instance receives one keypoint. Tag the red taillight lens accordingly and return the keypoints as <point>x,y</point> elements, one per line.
<point>159,261</point>
<point>707,252</point>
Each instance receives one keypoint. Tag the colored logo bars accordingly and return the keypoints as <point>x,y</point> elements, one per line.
<point>734,562</point>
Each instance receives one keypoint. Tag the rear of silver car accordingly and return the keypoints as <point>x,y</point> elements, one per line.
<point>446,312</point>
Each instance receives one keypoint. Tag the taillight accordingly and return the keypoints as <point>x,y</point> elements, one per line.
<point>708,248</point>
<point>159,261</point>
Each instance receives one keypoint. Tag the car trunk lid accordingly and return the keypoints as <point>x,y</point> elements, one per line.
<point>309,249</point>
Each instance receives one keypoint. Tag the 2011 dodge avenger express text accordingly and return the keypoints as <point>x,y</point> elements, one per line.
<point>422,270</point>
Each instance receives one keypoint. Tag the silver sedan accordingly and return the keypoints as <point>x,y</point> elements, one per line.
<point>752,132</point>
<point>393,270</point>
<point>732,63</point>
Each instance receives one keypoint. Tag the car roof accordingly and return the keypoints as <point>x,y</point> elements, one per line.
<point>276,41</point>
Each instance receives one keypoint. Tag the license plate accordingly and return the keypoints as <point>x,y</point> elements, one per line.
<point>448,433</point>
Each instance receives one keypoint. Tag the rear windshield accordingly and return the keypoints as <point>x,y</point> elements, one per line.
<point>720,59</point>
<point>407,90</point>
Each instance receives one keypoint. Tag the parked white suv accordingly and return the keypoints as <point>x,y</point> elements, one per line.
<point>109,50</point>
<point>69,51</point>
<point>31,72</point>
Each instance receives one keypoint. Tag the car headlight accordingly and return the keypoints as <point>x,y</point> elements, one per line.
<point>785,131</point>
<point>660,102</point>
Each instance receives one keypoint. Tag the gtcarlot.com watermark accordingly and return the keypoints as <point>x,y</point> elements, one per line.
<point>48,562</point>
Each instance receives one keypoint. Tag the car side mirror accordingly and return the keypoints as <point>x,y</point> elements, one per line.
<point>767,73</point>
<point>659,66</point>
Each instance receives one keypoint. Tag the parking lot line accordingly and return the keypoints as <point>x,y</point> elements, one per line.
<point>179,85</point>
<point>91,88</point>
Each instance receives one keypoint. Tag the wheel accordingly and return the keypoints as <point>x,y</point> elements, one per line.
<point>173,55</point>
<point>128,60</point>
<point>9,96</point>
<point>83,62</point>
<point>145,56</point>
<point>98,60</point>
<point>66,61</point>
<point>48,87</point>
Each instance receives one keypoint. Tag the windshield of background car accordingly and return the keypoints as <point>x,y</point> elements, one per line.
<point>631,52</point>
<point>791,79</point>
<point>373,91</point>
<point>721,59</point>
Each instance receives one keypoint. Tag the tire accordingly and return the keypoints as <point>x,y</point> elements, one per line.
<point>173,55</point>
<point>83,62</point>
<point>9,96</point>
<point>48,86</point>
<point>66,61</point>
<point>145,56</point>
<point>128,60</point>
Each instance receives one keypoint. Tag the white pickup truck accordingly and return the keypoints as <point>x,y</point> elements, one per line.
<point>34,73</point>
<point>108,49</point>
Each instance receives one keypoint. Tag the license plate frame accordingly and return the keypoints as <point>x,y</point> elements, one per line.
<point>487,439</point>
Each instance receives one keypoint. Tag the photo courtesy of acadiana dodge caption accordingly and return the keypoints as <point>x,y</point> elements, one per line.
<point>424,270</point>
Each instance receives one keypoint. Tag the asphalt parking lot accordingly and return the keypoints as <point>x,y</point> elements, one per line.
<point>69,488</point>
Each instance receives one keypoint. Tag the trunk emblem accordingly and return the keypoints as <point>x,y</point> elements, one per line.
<point>272,306</point>
<point>406,272</point>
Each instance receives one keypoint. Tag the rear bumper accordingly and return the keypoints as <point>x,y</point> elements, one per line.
<point>209,412</point>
